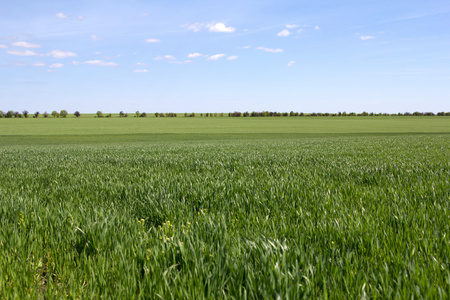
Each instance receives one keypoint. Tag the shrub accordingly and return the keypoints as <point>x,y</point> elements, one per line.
<point>137,114</point>
<point>121,114</point>
<point>77,114</point>
<point>99,114</point>
<point>156,114</point>
<point>109,115</point>
<point>143,115</point>
<point>2,114</point>
<point>447,114</point>
<point>45,114</point>
<point>55,114</point>
<point>36,114</point>
<point>25,113</point>
<point>63,113</point>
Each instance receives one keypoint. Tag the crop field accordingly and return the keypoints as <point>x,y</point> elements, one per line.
<point>225,208</point>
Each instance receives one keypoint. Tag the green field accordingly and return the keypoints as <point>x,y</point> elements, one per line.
<point>230,208</point>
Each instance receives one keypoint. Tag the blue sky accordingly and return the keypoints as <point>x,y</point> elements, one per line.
<point>221,56</point>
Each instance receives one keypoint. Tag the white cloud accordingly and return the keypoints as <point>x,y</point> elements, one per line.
<point>316,27</point>
<point>278,50</point>
<point>150,40</point>
<point>64,16</point>
<point>300,30</point>
<point>194,55</point>
<point>165,57</point>
<point>216,56</point>
<point>366,37</point>
<point>291,26</point>
<point>56,65</point>
<point>232,57</point>
<point>3,46</point>
<point>101,63</point>
<point>95,37</point>
<point>284,33</point>
<point>75,63</point>
<point>220,27</point>
<point>141,64</point>
<point>246,47</point>
<point>24,53</point>
<point>196,27</point>
<point>38,64</point>
<point>61,16</point>
<point>141,71</point>
<point>179,62</point>
<point>291,63</point>
<point>61,54</point>
<point>26,45</point>
<point>19,64</point>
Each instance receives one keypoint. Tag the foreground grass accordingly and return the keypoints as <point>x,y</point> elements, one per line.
<point>345,217</point>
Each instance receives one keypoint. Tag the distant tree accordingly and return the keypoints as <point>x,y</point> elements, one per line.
<point>221,114</point>
<point>121,114</point>
<point>77,114</point>
<point>63,113</point>
<point>156,114</point>
<point>185,115</point>
<point>99,114</point>
<point>25,113</point>
<point>143,115</point>
<point>137,114</point>
<point>2,114</point>
<point>16,114</point>
<point>201,114</point>
<point>416,113</point>
<point>45,114</point>
<point>109,115</point>
<point>54,113</point>
<point>447,114</point>
<point>36,114</point>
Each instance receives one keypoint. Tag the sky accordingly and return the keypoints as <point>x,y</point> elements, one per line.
<point>224,56</point>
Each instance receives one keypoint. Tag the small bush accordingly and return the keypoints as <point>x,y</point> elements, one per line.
<point>36,114</point>
<point>25,113</point>
<point>63,113</point>
<point>77,114</point>
<point>46,114</point>
<point>99,114</point>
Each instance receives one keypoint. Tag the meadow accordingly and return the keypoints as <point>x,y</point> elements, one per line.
<point>225,208</point>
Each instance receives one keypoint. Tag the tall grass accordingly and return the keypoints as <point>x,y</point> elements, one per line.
<point>250,219</point>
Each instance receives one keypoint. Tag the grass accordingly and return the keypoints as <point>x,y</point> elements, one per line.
<point>280,208</point>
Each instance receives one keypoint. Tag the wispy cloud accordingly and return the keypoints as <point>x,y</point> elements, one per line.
<point>194,55</point>
<point>56,65</point>
<point>24,53</point>
<point>291,63</point>
<point>141,71</point>
<point>26,45</point>
<point>61,54</point>
<point>272,50</point>
<point>3,46</point>
<point>232,57</point>
<point>165,57</point>
<point>216,56</point>
<point>141,64</point>
<point>284,33</point>
<point>291,26</point>
<point>38,64</point>
<point>150,40</point>
<point>62,15</point>
<point>196,27</point>
<point>101,63</point>
<point>95,37</point>
<point>316,27</point>
<point>220,27</point>
<point>366,37</point>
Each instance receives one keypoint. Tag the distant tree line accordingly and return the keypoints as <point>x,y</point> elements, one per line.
<point>339,114</point>
<point>63,114</point>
